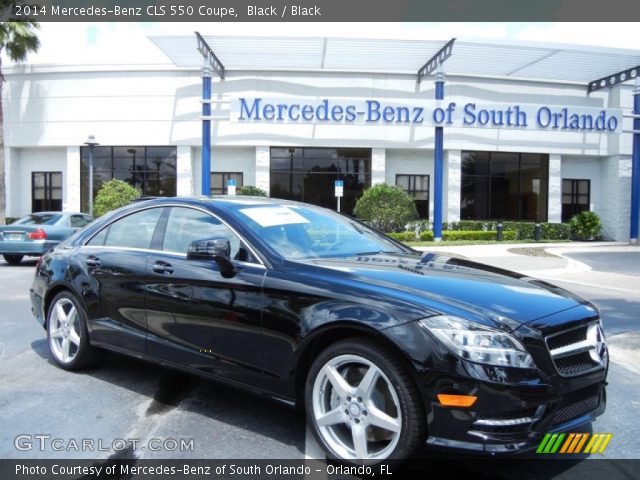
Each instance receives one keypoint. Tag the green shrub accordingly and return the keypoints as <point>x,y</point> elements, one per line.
<point>456,235</point>
<point>403,236</point>
<point>387,208</point>
<point>251,190</point>
<point>556,231</point>
<point>586,225</point>
<point>426,236</point>
<point>453,235</point>
<point>114,194</point>
<point>524,230</point>
<point>10,220</point>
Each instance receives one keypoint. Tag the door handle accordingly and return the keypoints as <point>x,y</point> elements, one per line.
<point>92,261</point>
<point>162,267</point>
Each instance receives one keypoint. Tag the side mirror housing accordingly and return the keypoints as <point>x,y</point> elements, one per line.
<point>217,249</point>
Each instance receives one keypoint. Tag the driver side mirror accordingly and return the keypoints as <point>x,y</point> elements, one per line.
<point>217,249</point>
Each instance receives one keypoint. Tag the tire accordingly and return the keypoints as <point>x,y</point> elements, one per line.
<point>13,259</point>
<point>355,420</point>
<point>67,333</point>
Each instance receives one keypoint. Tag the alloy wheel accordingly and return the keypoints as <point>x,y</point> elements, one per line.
<point>356,409</point>
<point>64,330</point>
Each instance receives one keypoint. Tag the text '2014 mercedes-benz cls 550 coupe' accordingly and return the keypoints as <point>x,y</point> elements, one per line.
<point>386,348</point>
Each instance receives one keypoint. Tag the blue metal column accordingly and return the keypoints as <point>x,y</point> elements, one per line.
<point>635,167</point>
<point>438,167</point>
<point>206,128</point>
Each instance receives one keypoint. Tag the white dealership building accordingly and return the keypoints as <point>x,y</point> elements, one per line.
<point>524,139</point>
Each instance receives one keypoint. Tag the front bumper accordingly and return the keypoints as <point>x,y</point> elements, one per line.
<point>513,420</point>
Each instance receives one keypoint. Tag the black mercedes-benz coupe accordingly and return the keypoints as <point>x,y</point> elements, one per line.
<point>386,348</point>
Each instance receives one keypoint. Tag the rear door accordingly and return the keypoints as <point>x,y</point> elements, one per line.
<point>195,316</point>
<point>115,260</point>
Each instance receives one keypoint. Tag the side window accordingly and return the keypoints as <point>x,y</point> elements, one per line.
<point>185,225</point>
<point>133,231</point>
<point>98,240</point>
<point>78,221</point>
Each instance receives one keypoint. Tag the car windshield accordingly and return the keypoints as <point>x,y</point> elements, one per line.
<point>301,232</point>
<point>36,219</point>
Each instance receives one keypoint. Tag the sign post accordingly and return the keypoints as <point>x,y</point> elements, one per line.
<point>438,165</point>
<point>635,167</point>
<point>206,128</point>
<point>211,64</point>
<point>339,186</point>
<point>231,187</point>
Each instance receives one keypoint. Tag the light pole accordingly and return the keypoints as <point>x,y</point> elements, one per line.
<point>91,142</point>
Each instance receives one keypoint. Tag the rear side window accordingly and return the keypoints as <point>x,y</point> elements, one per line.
<point>79,221</point>
<point>42,219</point>
<point>133,231</point>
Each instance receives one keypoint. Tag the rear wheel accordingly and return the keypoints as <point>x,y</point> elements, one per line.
<point>362,403</point>
<point>13,259</point>
<point>67,333</point>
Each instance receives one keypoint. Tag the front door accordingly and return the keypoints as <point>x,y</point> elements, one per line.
<point>195,316</point>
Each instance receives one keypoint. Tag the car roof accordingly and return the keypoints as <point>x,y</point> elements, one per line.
<point>56,213</point>
<point>220,201</point>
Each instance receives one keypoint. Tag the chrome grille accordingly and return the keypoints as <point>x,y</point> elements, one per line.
<point>578,350</point>
<point>567,338</point>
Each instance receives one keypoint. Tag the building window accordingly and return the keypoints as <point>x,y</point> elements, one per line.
<point>219,182</point>
<point>150,169</point>
<point>576,197</point>
<point>46,191</point>
<point>504,186</point>
<point>416,186</point>
<point>309,175</point>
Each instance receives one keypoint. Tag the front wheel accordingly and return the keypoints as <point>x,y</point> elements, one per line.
<point>362,403</point>
<point>13,259</point>
<point>67,333</point>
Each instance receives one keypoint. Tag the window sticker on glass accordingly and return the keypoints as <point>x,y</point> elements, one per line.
<point>272,216</point>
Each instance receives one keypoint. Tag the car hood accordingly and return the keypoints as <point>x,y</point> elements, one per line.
<point>448,285</point>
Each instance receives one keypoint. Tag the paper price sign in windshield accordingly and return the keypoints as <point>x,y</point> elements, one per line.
<point>339,185</point>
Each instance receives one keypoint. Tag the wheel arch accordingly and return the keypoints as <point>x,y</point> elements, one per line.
<point>51,293</point>
<point>324,336</point>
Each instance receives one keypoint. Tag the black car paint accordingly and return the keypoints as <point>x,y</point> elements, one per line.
<point>260,328</point>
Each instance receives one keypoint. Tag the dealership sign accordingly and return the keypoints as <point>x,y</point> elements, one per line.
<point>426,113</point>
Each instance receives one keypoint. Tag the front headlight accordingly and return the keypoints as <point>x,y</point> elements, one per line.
<point>477,343</point>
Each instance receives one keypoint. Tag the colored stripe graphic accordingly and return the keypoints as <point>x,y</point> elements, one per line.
<point>550,443</point>
<point>566,444</point>
<point>593,440</point>
<point>608,437</point>
<point>585,436</point>
<point>573,443</point>
<point>543,443</point>
<point>556,446</point>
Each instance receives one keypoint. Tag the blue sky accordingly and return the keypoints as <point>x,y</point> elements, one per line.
<point>127,43</point>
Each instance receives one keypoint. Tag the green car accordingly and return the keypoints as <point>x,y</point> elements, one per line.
<point>35,234</point>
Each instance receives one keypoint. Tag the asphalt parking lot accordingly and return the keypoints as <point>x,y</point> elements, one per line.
<point>124,398</point>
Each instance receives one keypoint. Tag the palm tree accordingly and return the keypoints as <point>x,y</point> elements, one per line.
<point>17,39</point>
